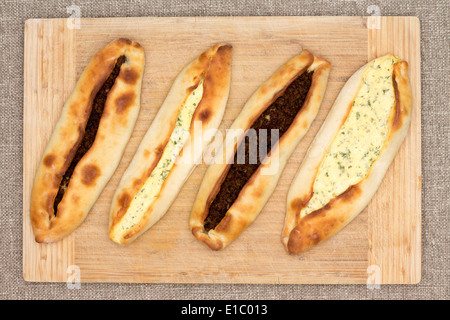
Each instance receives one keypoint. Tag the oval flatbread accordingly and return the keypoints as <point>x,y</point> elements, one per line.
<point>237,185</point>
<point>173,145</point>
<point>351,153</point>
<point>88,140</point>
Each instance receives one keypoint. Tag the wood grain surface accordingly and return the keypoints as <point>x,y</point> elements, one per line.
<point>382,245</point>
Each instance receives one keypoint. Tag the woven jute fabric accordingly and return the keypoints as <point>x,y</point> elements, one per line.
<point>433,16</point>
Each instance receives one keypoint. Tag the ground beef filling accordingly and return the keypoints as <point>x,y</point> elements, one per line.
<point>90,130</point>
<point>279,115</point>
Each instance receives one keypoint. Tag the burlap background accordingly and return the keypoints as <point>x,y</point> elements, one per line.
<point>435,148</point>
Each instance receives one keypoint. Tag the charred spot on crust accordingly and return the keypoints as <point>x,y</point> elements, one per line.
<point>349,194</point>
<point>124,41</point>
<point>277,116</point>
<point>49,159</point>
<point>129,75</point>
<point>124,101</point>
<point>89,173</point>
<point>204,115</point>
<point>124,200</point>
<point>87,135</point>
<point>195,86</point>
<point>224,48</point>
<point>138,182</point>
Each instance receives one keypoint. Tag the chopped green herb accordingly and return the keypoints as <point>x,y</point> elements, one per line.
<point>345,154</point>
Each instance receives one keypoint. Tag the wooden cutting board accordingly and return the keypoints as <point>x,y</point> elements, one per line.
<point>382,245</point>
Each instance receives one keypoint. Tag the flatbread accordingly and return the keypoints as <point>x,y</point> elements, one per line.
<point>257,190</point>
<point>211,73</point>
<point>307,223</point>
<point>94,169</point>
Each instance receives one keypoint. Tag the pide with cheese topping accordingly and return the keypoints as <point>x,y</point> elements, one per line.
<point>360,139</point>
<point>349,156</point>
<point>155,176</point>
<point>149,192</point>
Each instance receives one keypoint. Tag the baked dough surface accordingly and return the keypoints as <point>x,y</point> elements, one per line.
<point>349,156</point>
<point>258,189</point>
<point>95,168</point>
<point>209,76</point>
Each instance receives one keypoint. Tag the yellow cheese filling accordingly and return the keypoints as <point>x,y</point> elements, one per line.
<point>147,194</point>
<point>360,139</point>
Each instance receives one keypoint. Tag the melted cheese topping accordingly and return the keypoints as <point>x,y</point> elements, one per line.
<point>360,139</point>
<point>148,193</point>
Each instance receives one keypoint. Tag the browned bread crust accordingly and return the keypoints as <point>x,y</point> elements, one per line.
<point>257,190</point>
<point>304,231</point>
<point>213,69</point>
<point>88,140</point>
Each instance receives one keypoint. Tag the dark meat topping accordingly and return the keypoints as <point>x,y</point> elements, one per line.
<point>90,131</point>
<point>279,115</point>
